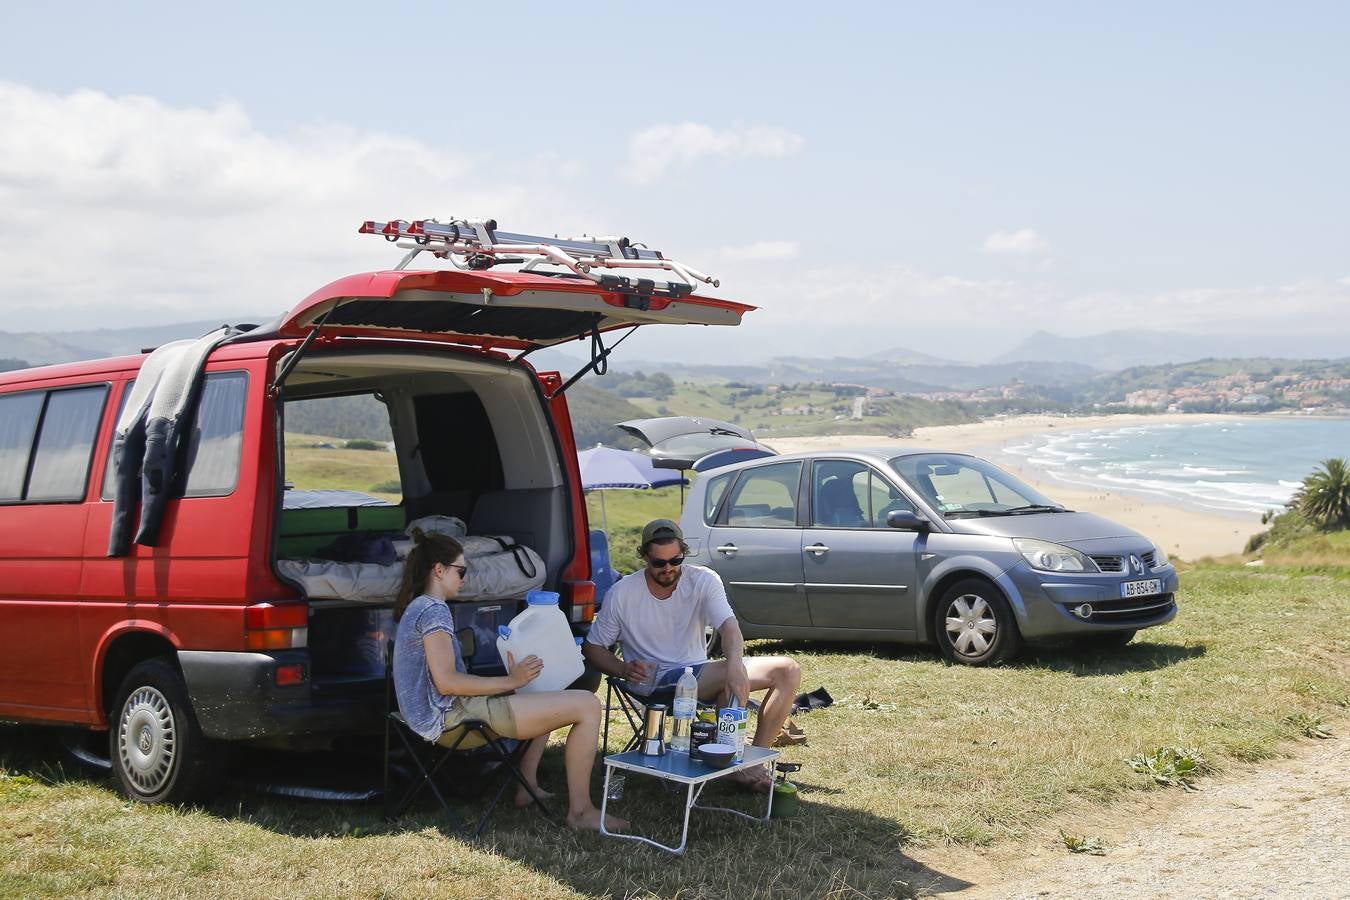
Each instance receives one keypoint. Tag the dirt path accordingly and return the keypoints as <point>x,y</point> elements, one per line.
<point>1279,830</point>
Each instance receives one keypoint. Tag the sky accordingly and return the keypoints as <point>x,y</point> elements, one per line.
<point>948,178</point>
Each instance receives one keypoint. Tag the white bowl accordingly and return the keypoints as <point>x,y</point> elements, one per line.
<point>717,756</point>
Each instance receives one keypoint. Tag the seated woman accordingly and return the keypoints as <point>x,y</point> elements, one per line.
<point>436,693</point>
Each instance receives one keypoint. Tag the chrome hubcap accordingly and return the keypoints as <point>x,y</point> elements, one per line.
<point>970,624</point>
<point>147,740</point>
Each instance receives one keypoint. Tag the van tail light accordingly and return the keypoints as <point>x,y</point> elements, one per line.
<point>276,626</point>
<point>582,594</point>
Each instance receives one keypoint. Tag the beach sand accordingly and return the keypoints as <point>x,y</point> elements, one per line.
<point>1184,532</point>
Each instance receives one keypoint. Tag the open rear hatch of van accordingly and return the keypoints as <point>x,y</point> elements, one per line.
<point>506,310</point>
<point>482,307</point>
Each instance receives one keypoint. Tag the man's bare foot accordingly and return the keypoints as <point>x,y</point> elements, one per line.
<point>755,779</point>
<point>590,821</point>
<point>523,798</point>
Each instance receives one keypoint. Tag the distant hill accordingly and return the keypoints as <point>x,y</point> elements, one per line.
<point>915,378</point>
<point>47,348</point>
<point>1111,351</point>
<point>903,356</point>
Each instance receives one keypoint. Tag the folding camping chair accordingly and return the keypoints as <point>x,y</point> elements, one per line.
<point>472,740</point>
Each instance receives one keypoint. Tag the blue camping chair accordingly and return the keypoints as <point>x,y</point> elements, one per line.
<point>602,572</point>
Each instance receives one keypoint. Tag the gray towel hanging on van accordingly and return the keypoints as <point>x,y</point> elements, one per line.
<point>149,432</point>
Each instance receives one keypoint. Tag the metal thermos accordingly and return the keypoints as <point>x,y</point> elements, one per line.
<point>654,731</point>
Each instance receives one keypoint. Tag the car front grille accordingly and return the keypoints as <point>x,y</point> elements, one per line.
<point>1117,563</point>
<point>1110,563</point>
<point>1123,612</point>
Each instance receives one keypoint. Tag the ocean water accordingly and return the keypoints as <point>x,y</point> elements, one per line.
<point>1237,465</point>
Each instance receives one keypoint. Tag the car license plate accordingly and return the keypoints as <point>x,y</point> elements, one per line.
<point>1141,588</point>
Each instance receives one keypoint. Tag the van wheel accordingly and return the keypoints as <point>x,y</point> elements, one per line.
<point>159,754</point>
<point>974,625</point>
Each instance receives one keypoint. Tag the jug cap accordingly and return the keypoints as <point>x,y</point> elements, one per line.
<point>504,632</point>
<point>542,598</point>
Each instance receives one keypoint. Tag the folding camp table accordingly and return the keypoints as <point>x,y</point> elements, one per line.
<point>679,768</point>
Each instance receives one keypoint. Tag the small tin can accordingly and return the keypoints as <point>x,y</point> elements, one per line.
<point>701,733</point>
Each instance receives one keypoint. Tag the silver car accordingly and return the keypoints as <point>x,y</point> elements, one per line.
<point>915,546</point>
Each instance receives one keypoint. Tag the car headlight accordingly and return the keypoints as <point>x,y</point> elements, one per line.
<point>1159,557</point>
<point>1048,557</point>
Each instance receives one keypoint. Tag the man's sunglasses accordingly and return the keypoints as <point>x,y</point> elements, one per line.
<point>662,563</point>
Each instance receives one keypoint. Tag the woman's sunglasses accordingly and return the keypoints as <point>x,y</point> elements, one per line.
<point>462,570</point>
<point>662,563</point>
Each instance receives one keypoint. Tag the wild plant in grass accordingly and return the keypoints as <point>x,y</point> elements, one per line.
<point>1081,843</point>
<point>1169,765</point>
<point>1309,725</point>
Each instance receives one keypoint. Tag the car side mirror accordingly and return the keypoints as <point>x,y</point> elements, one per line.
<point>905,520</point>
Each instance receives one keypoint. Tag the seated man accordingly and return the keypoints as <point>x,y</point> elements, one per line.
<point>660,612</point>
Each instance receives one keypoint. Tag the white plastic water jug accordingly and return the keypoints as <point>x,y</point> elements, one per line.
<point>542,630</point>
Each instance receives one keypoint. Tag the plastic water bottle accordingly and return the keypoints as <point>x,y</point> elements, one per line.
<point>686,704</point>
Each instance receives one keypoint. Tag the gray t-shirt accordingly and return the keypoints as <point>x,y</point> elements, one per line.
<point>670,631</point>
<point>422,705</point>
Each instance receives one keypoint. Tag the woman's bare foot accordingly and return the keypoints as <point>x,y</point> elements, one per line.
<point>590,821</point>
<point>523,798</point>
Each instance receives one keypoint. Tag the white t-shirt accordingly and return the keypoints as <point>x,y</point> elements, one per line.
<point>670,631</point>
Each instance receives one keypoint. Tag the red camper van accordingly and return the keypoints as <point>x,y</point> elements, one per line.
<point>162,576</point>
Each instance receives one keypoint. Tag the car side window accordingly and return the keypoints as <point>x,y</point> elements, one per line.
<point>713,496</point>
<point>18,423</point>
<point>65,444</point>
<point>885,499</point>
<point>766,497</point>
<point>839,494</point>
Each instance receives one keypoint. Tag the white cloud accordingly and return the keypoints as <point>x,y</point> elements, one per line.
<point>116,204</point>
<point>761,250</point>
<point>654,151</point>
<point>1022,242</point>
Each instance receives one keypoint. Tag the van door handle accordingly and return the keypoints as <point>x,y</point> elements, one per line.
<point>727,549</point>
<point>817,549</point>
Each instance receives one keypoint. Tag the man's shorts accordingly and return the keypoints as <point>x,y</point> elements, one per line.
<point>667,678</point>
<point>495,711</point>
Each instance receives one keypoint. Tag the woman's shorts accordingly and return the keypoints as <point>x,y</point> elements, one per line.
<point>495,711</point>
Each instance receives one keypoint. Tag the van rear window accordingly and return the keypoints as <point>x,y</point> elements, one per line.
<point>215,442</point>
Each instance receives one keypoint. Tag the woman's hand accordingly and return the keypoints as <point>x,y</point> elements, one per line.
<point>522,673</point>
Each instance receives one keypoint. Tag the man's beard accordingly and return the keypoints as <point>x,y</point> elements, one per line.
<point>666,577</point>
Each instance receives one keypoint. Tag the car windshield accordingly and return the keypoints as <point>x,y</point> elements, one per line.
<point>964,486</point>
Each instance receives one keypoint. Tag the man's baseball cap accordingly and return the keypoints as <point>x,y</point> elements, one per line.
<point>661,530</point>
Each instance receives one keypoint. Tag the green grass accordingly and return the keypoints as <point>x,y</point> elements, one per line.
<point>913,752</point>
<point>317,468</point>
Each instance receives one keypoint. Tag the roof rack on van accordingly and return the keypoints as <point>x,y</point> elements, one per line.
<point>477,244</point>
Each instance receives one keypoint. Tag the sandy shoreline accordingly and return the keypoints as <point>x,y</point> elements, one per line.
<point>1183,532</point>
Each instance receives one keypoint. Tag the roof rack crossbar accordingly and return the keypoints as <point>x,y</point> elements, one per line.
<point>479,245</point>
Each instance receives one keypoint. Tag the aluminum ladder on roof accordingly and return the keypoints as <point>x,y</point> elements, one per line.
<point>477,244</point>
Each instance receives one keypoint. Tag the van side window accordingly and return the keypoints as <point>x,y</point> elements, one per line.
<point>18,423</point>
<point>217,437</point>
<point>65,444</point>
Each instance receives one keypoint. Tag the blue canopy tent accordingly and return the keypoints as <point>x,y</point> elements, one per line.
<point>605,468</point>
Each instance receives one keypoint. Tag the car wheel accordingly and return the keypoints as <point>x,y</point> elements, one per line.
<point>159,754</point>
<point>974,625</point>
